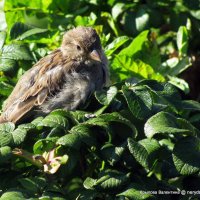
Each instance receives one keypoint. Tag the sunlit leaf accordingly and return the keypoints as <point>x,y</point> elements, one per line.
<point>165,123</point>
<point>142,19</point>
<point>2,39</point>
<point>115,44</point>
<point>136,45</point>
<point>5,154</point>
<point>13,195</point>
<point>106,97</point>
<point>21,31</point>
<point>117,10</point>
<point>54,120</point>
<point>126,67</point>
<point>16,52</point>
<point>182,40</point>
<point>7,64</point>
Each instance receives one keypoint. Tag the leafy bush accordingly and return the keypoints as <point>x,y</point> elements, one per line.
<point>138,138</point>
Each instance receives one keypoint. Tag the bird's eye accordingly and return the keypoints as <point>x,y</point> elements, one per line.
<point>78,47</point>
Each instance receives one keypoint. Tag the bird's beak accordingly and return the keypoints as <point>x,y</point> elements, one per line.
<point>94,55</point>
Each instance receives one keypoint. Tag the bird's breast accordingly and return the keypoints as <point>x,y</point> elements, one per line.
<point>73,91</point>
<point>74,88</point>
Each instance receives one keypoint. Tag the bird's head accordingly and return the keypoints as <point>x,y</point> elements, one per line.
<point>82,44</point>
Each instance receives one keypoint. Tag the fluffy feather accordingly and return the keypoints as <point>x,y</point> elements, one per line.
<point>62,79</point>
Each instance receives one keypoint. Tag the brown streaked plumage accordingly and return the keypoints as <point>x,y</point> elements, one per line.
<point>62,79</point>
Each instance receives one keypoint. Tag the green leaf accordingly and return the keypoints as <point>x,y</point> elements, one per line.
<point>165,123</point>
<point>77,135</point>
<point>61,112</point>
<point>153,149</point>
<point>2,39</point>
<point>5,154</point>
<point>113,153</point>
<point>139,101</point>
<point>27,127</point>
<point>127,66</point>
<point>87,194</point>
<point>12,195</point>
<point>136,45</point>
<point>19,135</point>
<point>186,155</point>
<point>53,120</point>
<point>146,151</point>
<point>43,145</point>
<point>189,105</point>
<point>37,121</point>
<point>35,184</point>
<point>112,181</point>
<point>136,191</point>
<point>7,65</point>
<point>78,116</point>
<point>105,97</point>
<point>108,182</point>
<point>49,196</point>
<point>177,66</point>
<point>104,119</point>
<point>115,44</point>
<point>117,9</point>
<point>16,52</point>
<point>166,91</point>
<point>141,20</point>
<point>111,22</point>
<point>13,15</point>
<point>182,40</point>
<point>85,20</point>
<point>195,13</point>
<point>85,133</point>
<point>26,3</point>
<point>138,152</point>
<point>9,136</point>
<point>7,127</point>
<point>6,130</point>
<point>5,88</point>
<point>31,32</point>
<point>29,185</point>
<point>89,183</point>
<point>179,83</point>
<point>17,29</point>
<point>145,50</point>
<point>165,96</point>
<point>20,31</point>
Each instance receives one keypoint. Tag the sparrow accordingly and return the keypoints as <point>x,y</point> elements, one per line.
<point>63,79</point>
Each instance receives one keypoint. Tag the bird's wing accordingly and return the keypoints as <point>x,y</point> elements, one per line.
<point>35,86</point>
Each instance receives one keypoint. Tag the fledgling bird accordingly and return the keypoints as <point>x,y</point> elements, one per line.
<point>62,79</point>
